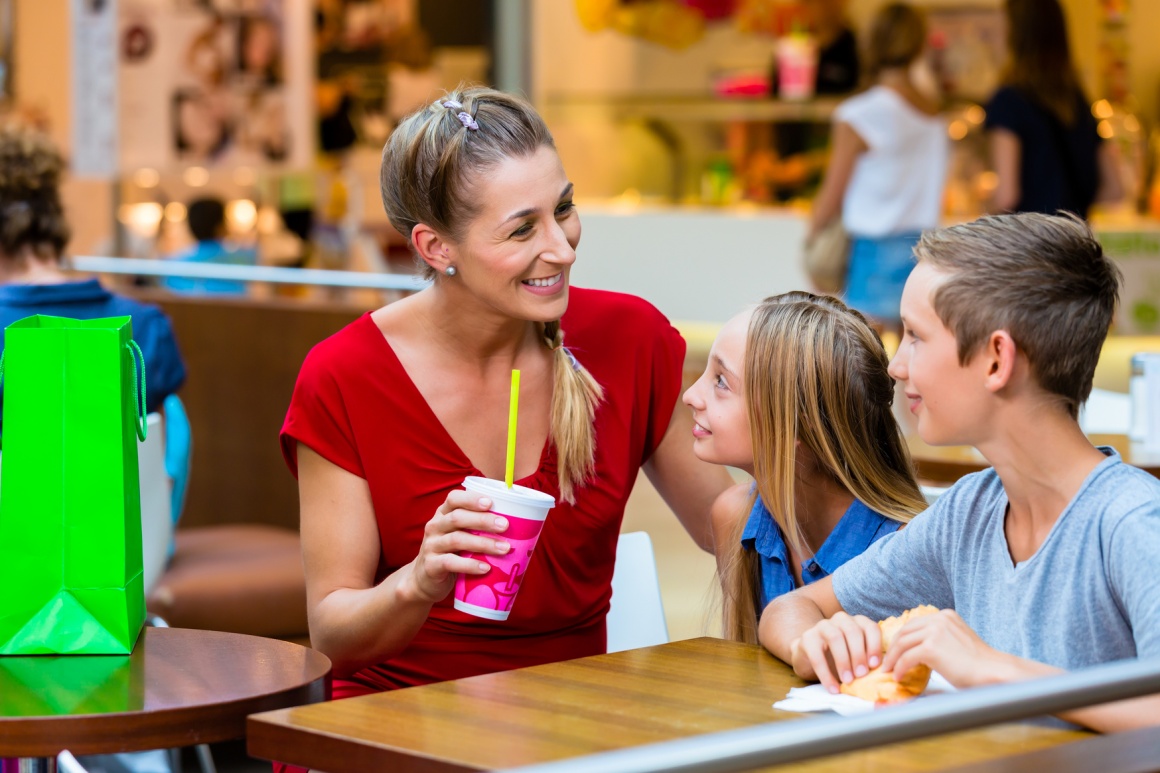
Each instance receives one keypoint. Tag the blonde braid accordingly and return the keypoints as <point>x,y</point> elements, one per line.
<point>575,395</point>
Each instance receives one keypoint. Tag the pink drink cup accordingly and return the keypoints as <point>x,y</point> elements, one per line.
<point>492,595</point>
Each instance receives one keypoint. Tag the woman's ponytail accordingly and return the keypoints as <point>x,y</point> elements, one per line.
<point>575,395</point>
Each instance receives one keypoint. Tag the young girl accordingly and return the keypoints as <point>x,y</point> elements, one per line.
<point>796,393</point>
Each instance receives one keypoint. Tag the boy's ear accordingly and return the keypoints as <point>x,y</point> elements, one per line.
<point>999,356</point>
<point>435,251</point>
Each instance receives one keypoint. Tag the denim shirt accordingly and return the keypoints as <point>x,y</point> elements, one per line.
<point>858,528</point>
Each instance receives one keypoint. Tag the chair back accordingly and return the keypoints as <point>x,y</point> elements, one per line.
<point>931,492</point>
<point>156,518</point>
<point>178,451</point>
<point>636,617</point>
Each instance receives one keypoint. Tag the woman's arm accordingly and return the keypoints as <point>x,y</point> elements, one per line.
<point>1111,184</point>
<point>847,146</point>
<point>1006,156</point>
<point>688,485</point>
<point>353,621</point>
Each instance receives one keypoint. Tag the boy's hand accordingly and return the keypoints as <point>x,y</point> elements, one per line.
<point>840,648</point>
<point>948,645</point>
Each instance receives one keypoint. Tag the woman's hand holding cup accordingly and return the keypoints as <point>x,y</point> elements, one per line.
<point>446,535</point>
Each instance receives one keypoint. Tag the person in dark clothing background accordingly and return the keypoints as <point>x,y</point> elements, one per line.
<point>1045,147</point>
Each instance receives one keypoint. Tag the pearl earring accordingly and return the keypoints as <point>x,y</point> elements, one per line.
<point>449,271</point>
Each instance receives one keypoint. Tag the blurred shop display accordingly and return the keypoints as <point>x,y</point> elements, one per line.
<point>211,83</point>
<point>277,108</point>
<point>1137,253</point>
<point>379,60</point>
<point>966,51</point>
<point>678,24</point>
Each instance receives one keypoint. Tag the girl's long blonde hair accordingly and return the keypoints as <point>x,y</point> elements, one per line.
<point>815,372</point>
<point>431,165</point>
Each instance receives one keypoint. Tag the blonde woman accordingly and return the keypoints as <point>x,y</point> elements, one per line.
<point>797,394</point>
<point>390,415</point>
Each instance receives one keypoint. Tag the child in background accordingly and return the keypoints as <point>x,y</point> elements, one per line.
<point>207,223</point>
<point>1044,563</point>
<point>797,394</point>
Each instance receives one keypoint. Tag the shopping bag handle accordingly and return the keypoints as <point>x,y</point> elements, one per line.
<point>139,423</point>
<point>139,392</point>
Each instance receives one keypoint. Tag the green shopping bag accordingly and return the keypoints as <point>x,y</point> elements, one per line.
<point>70,501</point>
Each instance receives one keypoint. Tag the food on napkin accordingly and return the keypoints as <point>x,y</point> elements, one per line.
<point>879,686</point>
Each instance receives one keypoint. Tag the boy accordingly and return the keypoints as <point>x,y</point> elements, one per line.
<point>1044,562</point>
<point>207,224</point>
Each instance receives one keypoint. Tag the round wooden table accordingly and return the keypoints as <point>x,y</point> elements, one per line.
<point>180,687</point>
<point>946,464</point>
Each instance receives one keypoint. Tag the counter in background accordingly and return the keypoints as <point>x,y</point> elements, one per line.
<point>693,263</point>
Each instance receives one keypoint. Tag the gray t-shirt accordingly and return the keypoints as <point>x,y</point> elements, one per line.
<point>1089,595</point>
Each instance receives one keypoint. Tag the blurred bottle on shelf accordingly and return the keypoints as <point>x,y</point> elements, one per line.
<point>797,64</point>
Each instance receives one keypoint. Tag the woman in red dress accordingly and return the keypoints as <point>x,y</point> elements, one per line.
<point>392,413</point>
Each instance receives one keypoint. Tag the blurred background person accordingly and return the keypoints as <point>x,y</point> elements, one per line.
<point>207,223</point>
<point>887,167</point>
<point>1045,149</point>
<point>33,235</point>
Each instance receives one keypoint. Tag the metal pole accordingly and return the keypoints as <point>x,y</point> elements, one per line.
<point>301,276</point>
<point>778,743</point>
<point>511,46</point>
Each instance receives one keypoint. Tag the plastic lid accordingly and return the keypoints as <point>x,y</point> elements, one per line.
<point>497,489</point>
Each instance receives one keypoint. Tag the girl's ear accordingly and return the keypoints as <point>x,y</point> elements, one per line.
<point>436,251</point>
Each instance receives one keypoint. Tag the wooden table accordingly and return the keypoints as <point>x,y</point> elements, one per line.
<point>179,687</point>
<point>589,705</point>
<point>946,464</point>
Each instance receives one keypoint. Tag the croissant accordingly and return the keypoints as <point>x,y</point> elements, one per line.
<point>881,687</point>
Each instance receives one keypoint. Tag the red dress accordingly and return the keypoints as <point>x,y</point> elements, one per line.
<point>355,405</point>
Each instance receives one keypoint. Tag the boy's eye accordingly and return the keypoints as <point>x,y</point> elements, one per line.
<point>565,207</point>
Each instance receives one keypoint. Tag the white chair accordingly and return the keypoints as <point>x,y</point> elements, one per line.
<point>636,617</point>
<point>156,502</point>
<point>932,493</point>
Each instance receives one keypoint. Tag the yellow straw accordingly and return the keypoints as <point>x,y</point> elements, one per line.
<point>513,410</point>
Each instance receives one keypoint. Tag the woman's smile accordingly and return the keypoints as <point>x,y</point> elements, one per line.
<point>549,285</point>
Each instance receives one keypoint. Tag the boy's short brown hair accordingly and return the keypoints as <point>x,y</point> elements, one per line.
<point>1043,278</point>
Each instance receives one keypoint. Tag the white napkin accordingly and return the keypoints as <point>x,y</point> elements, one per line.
<point>817,698</point>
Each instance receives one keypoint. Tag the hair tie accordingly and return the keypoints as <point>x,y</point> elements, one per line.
<point>572,357</point>
<point>464,117</point>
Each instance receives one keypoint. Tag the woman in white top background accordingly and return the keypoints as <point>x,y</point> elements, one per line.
<point>887,167</point>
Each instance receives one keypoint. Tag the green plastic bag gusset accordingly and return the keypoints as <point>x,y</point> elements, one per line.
<point>70,501</point>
